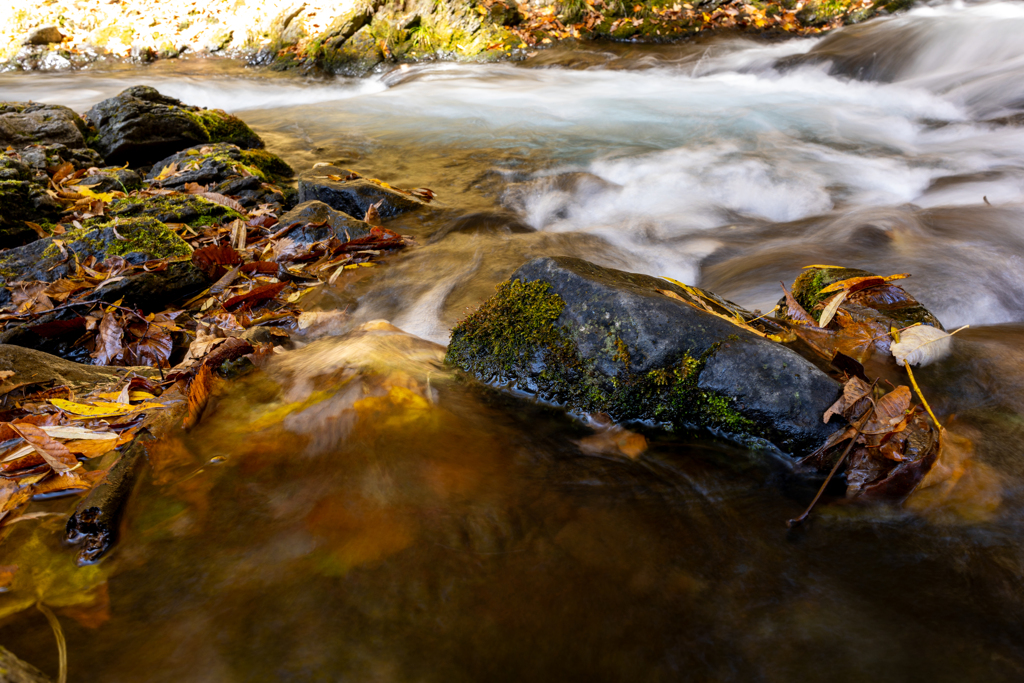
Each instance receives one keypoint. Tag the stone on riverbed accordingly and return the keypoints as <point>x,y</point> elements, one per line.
<point>335,223</point>
<point>141,126</point>
<point>252,176</point>
<point>355,196</point>
<point>31,123</point>
<point>137,240</point>
<point>596,339</point>
<point>21,199</point>
<point>190,209</point>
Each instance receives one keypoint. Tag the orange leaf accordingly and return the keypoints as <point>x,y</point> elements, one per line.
<point>54,452</point>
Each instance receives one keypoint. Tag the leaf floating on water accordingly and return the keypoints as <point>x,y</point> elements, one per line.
<point>56,455</point>
<point>198,395</point>
<point>921,345</point>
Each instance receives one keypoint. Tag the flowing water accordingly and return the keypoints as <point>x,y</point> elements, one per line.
<point>354,513</point>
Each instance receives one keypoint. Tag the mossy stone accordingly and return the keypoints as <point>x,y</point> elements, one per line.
<point>190,209</point>
<point>596,339</point>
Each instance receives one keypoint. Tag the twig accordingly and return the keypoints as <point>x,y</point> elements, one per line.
<point>913,382</point>
<point>62,646</point>
<point>856,428</point>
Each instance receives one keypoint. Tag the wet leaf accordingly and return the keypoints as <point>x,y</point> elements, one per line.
<point>102,408</point>
<point>255,296</point>
<point>855,284</point>
<point>109,340</point>
<point>795,310</point>
<point>854,390</point>
<point>831,308</point>
<point>921,345</point>
<point>56,455</point>
<point>198,395</point>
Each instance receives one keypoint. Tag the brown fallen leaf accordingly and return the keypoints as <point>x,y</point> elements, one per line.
<point>372,214</point>
<point>854,390</point>
<point>110,340</point>
<point>198,395</point>
<point>56,455</point>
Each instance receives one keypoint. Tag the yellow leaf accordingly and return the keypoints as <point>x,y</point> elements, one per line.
<point>102,196</point>
<point>821,266</point>
<point>101,408</point>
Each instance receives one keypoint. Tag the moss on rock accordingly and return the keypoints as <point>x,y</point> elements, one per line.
<point>224,127</point>
<point>190,209</point>
<point>516,333</point>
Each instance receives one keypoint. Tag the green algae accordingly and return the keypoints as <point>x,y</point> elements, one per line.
<point>514,338</point>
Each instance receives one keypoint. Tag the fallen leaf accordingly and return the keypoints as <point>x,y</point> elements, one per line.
<point>56,455</point>
<point>110,339</point>
<point>921,345</point>
<point>830,309</point>
<point>854,390</point>
<point>102,408</point>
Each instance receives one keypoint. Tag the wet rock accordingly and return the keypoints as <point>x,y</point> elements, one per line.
<point>42,157</point>
<point>595,339</point>
<point>37,367</point>
<point>141,126</point>
<point>190,209</point>
<point>218,163</point>
<point>358,55</point>
<point>250,176</point>
<point>353,197</point>
<point>336,223</point>
<point>888,305</point>
<point>44,35</point>
<point>30,123</point>
<point>137,240</point>
<point>20,201</point>
<point>112,179</point>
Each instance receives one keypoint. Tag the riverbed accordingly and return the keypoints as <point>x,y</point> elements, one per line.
<point>455,534</point>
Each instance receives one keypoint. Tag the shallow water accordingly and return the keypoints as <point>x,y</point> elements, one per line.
<point>399,525</point>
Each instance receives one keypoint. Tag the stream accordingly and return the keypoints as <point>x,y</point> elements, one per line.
<point>358,514</point>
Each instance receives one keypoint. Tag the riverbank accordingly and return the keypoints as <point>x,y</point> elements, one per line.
<point>353,37</point>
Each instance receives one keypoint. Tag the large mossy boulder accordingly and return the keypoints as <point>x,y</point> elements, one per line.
<point>596,339</point>
<point>140,126</point>
<point>32,123</point>
<point>137,240</point>
<point>355,196</point>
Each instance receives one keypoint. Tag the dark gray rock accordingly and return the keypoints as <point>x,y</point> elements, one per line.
<point>141,126</point>
<point>618,345</point>
<point>44,35</point>
<point>250,176</point>
<point>335,223</point>
<point>42,157</point>
<point>30,123</point>
<point>135,239</point>
<point>353,197</point>
<point>112,179</point>
<point>20,201</point>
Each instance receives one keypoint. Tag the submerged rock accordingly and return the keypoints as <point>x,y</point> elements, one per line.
<point>596,339</point>
<point>31,123</point>
<point>353,197</point>
<point>335,223</point>
<point>141,126</point>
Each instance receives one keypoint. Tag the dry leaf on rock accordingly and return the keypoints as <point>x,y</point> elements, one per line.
<point>56,455</point>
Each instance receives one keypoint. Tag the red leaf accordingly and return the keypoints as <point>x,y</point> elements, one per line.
<point>57,328</point>
<point>213,259</point>
<point>254,297</point>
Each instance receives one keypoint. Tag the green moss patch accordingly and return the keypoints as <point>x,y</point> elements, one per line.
<point>514,338</point>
